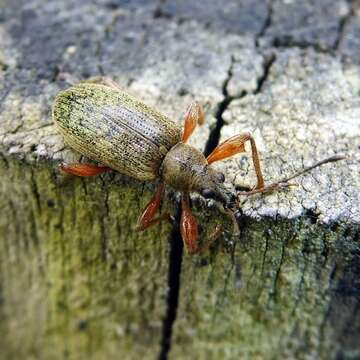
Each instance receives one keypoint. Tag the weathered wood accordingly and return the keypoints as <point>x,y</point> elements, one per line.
<point>76,278</point>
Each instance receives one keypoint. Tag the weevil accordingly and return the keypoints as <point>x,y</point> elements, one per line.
<point>121,133</point>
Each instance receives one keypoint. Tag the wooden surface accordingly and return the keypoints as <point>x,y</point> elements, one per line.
<point>77,281</point>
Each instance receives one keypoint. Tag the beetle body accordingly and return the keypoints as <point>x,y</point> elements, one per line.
<point>115,128</point>
<point>106,124</point>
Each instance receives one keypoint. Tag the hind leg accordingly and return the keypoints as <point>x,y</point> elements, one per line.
<point>79,169</point>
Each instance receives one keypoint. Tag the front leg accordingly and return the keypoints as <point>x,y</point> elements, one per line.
<point>188,226</point>
<point>235,145</point>
<point>189,230</point>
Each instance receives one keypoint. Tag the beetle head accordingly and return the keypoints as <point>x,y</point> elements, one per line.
<point>185,168</point>
<point>211,187</point>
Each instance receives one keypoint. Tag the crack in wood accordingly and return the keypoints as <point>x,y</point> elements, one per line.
<point>342,24</point>
<point>214,136</point>
<point>268,63</point>
<point>267,23</point>
<point>174,273</point>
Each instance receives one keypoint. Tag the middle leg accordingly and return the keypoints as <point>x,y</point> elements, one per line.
<point>147,219</point>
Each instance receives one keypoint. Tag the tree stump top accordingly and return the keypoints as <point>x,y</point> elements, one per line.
<point>76,277</point>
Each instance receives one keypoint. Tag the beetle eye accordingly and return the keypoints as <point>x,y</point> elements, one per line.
<point>221,177</point>
<point>208,193</point>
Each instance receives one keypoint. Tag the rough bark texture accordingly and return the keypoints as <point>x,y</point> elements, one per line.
<point>78,281</point>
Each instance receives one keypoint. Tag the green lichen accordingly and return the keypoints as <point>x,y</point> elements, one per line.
<point>78,281</point>
<point>76,278</point>
<point>269,298</point>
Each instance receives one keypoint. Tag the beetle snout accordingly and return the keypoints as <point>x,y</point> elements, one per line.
<point>230,201</point>
<point>226,198</point>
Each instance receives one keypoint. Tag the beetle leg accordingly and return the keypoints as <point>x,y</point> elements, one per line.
<point>235,145</point>
<point>146,219</point>
<point>152,222</point>
<point>194,115</point>
<point>83,169</point>
<point>188,226</point>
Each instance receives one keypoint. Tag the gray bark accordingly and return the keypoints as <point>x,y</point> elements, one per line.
<point>76,278</point>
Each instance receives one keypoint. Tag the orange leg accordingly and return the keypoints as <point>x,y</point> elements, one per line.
<point>189,230</point>
<point>83,169</point>
<point>147,217</point>
<point>235,145</point>
<point>194,115</point>
<point>188,226</point>
<point>155,221</point>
